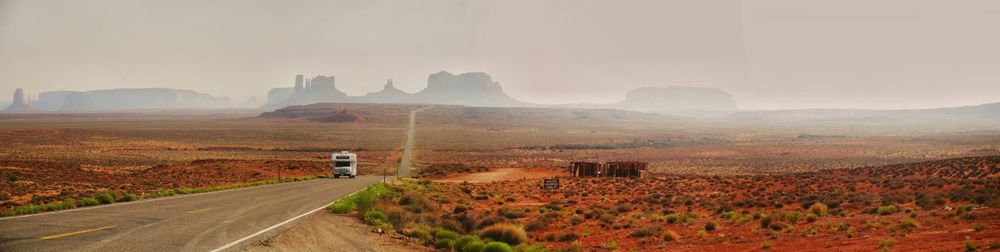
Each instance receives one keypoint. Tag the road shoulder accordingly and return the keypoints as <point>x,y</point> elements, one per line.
<point>325,231</point>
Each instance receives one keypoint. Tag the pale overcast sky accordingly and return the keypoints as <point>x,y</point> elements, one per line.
<point>769,54</point>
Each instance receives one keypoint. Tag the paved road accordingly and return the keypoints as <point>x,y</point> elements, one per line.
<point>199,222</point>
<point>404,164</point>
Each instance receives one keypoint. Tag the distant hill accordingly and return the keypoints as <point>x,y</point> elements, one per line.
<point>677,99</point>
<point>979,115</point>
<point>130,98</point>
<point>470,89</point>
<point>673,100</point>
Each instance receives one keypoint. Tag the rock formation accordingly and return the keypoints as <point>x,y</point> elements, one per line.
<point>19,104</point>
<point>471,89</point>
<point>308,91</point>
<point>132,98</point>
<point>389,94</point>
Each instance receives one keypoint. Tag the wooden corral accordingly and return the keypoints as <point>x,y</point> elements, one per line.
<point>626,169</point>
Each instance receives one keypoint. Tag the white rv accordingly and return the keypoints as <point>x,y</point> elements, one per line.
<point>345,164</point>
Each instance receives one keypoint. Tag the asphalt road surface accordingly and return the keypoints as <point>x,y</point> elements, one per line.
<point>404,163</point>
<point>229,219</point>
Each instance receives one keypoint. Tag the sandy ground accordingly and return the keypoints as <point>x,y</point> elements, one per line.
<point>502,174</point>
<point>325,231</point>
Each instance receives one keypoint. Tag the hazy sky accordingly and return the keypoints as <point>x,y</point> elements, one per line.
<point>768,53</point>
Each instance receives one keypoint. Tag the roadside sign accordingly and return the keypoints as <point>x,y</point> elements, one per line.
<point>551,184</point>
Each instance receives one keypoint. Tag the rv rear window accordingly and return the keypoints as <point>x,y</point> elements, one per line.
<point>341,164</point>
<point>343,157</point>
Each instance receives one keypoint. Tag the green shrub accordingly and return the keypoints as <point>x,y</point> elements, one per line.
<point>375,217</point>
<point>568,236</point>
<point>473,246</point>
<point>446,234</point>
<point>672,218</point>
<point>463,241</point>
<point>819,209</point>
<point>887,210</point>
<point>29,209</point>
<point>888,242</point>
<point>811,217</point>
<point>444,244</point>
<point>88,202</point>
<point>421,233</point>
<point>969,246</point>
<point>105,198</point>
<point>670,235</point>
<point>365,200</point>
<point>529,248</point>
<point>507,233</point>
<point>908,223</point>
<point>69,203</point>
<point>497,246</point>
<point>711,226</point>
<point>767,245</point>
<point>792,217</point>
<point>979,227</point>
<point>342,206</point>
<point>765,221</point>
<point>643,232</point>
<point>966,211</point>
<point>128,197</point>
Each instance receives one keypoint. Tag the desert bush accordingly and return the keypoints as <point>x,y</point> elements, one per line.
<point>529,248</point>
<point>444,244</point>
<point>811,217</point>
<point>464,241</point>
<point>765,221</point>
<point>89,202</point>
<point>474,246</point>
<point>374,217</point>
<point>568,236</point>
<point>711,226</point>
<point>888,242</point>
<point>128,197</point>
<point>644,232</point>
<point>365,200</point>
<point>507,233</point>
<point>979,227</point>
<point>969,246</point>
<point>673,218</point>
<point>445,234</point>
<point>342,206</point>
<point>819,209</point>
<point>416,202</point>
<point>421,233</point>
<point>966,211</point>
<point>670,235</point>
<point>908,223</point>
<point>887,209</point>
<point>497,246</point>
<point>766,245</point>
<point>105,198</point>
<point>792,217</point>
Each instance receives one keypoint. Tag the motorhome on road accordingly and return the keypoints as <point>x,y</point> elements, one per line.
<point>345,164</point>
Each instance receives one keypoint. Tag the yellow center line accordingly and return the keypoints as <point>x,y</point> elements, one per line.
<point>198,210</point>
<point>78,232</point>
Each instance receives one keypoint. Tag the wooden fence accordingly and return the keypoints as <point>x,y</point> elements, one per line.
<point>626,169</point>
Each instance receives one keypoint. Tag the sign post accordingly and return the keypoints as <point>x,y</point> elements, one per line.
<point>550,184</point>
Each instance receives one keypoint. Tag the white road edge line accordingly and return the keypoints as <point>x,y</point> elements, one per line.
<point>178,196</point>
<point>234,243</point>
